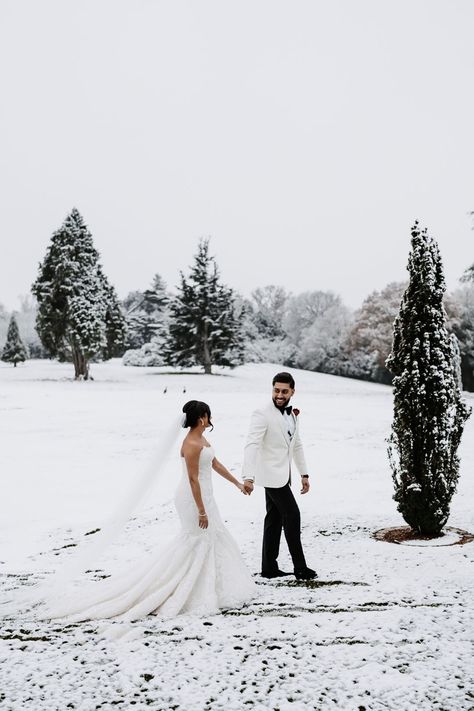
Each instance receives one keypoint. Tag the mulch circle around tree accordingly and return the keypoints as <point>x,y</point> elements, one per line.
<point>404,535</point>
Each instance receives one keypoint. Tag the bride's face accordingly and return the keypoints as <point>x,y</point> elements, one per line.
<point>205,421</point>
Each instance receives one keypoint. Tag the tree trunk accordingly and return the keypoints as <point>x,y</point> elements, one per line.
<point>81,365</point>
<point>84,368</point>
<point>207,356</point>
<point>75,360</point>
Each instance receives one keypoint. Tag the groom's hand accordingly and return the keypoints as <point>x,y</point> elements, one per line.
<point>304,485</point>
<point>248,486</point>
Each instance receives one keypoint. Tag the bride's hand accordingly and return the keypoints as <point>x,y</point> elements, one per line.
<point>242,488</point>
<point>203,521</point>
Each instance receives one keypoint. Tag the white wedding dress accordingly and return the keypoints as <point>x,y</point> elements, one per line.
<point>200,572</point>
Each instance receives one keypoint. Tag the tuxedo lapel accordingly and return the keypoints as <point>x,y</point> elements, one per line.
<point>295,420</point>
<point>280,420</point>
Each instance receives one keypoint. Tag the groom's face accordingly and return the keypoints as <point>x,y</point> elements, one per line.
<point>282,394</point>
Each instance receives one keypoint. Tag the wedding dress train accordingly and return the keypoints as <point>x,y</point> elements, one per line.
<point>200,572</point>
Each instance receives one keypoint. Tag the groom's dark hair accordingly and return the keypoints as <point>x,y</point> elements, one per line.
<point>284,378</point>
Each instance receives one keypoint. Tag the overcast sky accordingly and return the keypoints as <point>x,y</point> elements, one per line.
<point>303,137</point>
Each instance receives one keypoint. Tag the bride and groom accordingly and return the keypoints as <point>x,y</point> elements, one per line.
<point>202,571</point>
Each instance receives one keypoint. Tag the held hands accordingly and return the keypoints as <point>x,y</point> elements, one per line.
<point>247,486</point>
<point>241,487</point>
<point>304,485</point>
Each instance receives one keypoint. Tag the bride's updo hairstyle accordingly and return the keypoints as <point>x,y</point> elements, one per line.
<point>194,409</point>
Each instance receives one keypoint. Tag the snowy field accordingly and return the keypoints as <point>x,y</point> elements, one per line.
<point>385,626</point>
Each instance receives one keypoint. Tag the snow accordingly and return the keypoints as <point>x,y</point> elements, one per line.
<point>448,539</point>
<point>384,627</point>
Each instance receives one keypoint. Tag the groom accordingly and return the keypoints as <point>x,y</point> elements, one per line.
<point>273,441</point>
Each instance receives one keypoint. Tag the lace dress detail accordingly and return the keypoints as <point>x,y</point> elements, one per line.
<point>200,572</point>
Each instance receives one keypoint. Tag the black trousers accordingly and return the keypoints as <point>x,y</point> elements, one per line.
<point>282,514</point>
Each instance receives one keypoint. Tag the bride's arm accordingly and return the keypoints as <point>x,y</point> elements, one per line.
<point>221,469</point>
<point>191,457</point>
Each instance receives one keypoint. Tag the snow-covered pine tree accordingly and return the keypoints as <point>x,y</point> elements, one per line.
<point>204,329</point>
<point>156,298</point>
<point>78,312</point>
<point>115,324</point>
<point>14,351</point>
<point>147,314</point>
<point>429,414</point>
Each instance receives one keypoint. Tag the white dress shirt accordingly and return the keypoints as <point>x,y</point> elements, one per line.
<point>289,423</point>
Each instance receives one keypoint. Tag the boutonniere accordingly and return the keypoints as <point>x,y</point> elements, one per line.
<point>296,412</point>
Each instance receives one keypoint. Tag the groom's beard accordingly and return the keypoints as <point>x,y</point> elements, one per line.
<point>281,406</point>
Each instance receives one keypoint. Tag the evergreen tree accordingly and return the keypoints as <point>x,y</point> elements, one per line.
<point>147,314</point>
<point>204,328</point>
<point>156,298</point>
<point>78,313</point>
<point>115,324</point>
<point>14,351</point>
<point>429,414</point>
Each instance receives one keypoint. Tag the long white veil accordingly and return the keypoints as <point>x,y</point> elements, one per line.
<point>40,597</point>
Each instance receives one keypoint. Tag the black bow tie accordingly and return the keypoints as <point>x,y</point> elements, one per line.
<point>286,409</point>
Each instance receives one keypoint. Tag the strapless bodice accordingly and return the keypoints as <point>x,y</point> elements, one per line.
<point>184,499</point>
<point>206,456</point>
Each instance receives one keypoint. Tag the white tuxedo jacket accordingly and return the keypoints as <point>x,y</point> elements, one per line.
<point>269,450</point>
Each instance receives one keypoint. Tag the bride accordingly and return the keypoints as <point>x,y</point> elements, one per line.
<point>200,572</point>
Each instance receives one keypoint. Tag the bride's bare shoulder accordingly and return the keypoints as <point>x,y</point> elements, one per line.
<point>190,448</point>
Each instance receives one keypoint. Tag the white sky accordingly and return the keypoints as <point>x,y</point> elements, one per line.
<point>303,136</point>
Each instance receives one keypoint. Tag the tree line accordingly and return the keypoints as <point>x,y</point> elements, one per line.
<point>78,317</point>
<point>314,330</point>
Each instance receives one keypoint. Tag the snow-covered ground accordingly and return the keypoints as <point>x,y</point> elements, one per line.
<point>384,627</point>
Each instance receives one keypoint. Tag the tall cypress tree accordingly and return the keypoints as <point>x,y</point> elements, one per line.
<point>78,313</point>
<point>14,350</point>
<point>204,329</point>
<point>429,413</point>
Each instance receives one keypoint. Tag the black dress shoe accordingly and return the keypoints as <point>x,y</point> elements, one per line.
<point>305,574</point>
<point>275,574</point>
